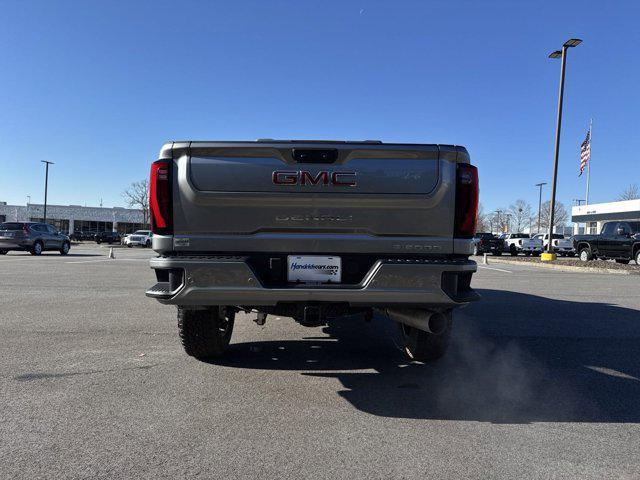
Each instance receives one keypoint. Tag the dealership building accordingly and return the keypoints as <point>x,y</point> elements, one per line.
<point>75,218</point>
<point>595,215</point>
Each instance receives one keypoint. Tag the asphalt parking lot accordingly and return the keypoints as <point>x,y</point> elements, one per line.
<point>542,380</point>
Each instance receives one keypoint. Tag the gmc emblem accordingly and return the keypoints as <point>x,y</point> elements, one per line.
<point>303,177</point>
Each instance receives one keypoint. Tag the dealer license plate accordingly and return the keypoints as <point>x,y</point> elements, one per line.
<point>314,269</point>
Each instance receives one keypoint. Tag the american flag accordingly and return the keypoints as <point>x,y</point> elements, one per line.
<point>585,152</point>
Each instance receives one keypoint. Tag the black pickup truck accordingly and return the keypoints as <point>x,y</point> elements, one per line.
<point>619,241</point>
<point>487,243</point>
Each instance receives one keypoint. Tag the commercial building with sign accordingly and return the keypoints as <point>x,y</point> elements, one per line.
<point>75,218</point>
<point>597,214</point>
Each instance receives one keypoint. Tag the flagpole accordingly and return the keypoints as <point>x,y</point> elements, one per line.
<point>589,162</point>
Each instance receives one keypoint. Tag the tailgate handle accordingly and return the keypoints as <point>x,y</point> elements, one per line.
<point>314,155</point>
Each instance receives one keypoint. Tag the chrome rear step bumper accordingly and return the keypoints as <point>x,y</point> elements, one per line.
<point>229,280</point>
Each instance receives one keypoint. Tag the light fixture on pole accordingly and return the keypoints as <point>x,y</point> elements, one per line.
<point>557,54</point>
<point>46,185</point>
<point>539,185</point>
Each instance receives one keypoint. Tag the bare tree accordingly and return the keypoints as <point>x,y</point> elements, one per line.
<point>560,215</point>
<point>520,212</point>
<point>137,196</point>
<point>632,192</point>
<point>500,220</point>
<point>482,220</point>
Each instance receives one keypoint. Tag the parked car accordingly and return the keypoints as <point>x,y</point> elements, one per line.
<point>561,245</point>
<point>516,243</point>
<point>107,237</point>
<point>619,241</point>
<point>33,237</point>
<point>83,235</point>
<point>139,237</point>
<point>277,228</point>
<point>487,243</point>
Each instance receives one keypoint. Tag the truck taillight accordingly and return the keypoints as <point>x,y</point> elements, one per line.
<point>467,192</point>
<point>160,198</point>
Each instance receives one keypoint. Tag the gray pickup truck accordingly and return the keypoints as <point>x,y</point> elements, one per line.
<point>313,230</point>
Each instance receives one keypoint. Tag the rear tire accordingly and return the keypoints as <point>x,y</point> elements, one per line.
<point>638,257</point>
<point>585,254</point>
<point>3,252</point>
<point>37,248</point>
<point>424,346</point>
<point>148,244</point>
<point>513,251</point>
<point>205,333</point>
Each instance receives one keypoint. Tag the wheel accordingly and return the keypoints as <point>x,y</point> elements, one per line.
<point>37,248</point>
<point>98,242</point>
<point>65,248</point>
<point>513,251</point>
<point>623,261</point>
<point>475,250</point>
<point>638,257</point>
<point>129,245</point>
<point>205,333</point>
<point>3,252</point>
<point>526,254</point>
<point>424,346</point>
<point>585,254</point>
<point>148,244</point>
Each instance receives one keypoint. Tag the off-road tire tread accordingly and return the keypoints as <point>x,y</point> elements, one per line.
<point>198,330</point>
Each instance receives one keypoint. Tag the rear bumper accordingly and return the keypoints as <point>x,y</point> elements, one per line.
<point>229,280</point>
<point>14,245</point>
<point>490,248</point>
<point>563,249</point>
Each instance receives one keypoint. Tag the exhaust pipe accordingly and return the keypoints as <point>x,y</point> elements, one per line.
<point>428,321</point>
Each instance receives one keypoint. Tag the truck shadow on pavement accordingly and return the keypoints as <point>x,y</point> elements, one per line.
<point>513,358</point>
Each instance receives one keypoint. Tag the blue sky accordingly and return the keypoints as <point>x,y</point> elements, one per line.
<point>97,87</point>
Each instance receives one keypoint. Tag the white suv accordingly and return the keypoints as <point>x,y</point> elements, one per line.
<point>139,237</point>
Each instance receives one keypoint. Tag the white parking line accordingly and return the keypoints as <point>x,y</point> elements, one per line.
<point>113,260</point>
<point>90,261</point>
<point>496,269</point>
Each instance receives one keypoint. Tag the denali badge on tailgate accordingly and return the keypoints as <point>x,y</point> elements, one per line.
<point>303,177</point>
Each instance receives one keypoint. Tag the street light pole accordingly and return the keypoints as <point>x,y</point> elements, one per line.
<point>46,186</point>
<point>539,185</point>
<point>563,54</point>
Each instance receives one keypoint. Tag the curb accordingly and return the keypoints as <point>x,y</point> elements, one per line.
<point>569,268</point>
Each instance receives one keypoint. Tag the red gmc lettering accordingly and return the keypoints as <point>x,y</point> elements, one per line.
<point>306,176</point>
<point>303,177</point>
<point>348,179</point>
<point>284,178</point>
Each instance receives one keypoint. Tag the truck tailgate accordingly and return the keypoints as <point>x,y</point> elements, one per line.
<point>227,193</point>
